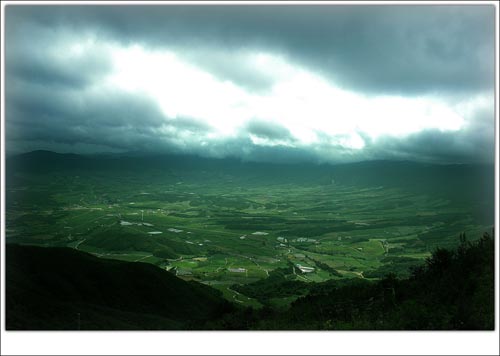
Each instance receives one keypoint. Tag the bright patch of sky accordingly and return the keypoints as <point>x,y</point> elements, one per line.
<point>299,100</point>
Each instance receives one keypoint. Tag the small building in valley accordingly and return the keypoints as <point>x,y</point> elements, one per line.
<point>304,269</point>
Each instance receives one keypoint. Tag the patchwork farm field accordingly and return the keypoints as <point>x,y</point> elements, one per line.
<point>223,230</point>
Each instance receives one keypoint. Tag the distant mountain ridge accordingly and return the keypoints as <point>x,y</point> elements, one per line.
<point>59,159</point>
<point>454,181</point>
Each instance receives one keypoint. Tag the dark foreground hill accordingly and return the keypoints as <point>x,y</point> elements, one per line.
<point>65,289</point>
<point>454,290</point>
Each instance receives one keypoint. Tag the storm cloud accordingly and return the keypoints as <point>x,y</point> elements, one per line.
<point>328,83</point>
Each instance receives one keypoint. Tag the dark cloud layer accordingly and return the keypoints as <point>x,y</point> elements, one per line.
<point>59,115</point>
<point>376,48</point>
<point>51,100</point>
<point>268,130</point>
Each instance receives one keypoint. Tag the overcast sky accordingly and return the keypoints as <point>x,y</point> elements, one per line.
<point>317,83</point>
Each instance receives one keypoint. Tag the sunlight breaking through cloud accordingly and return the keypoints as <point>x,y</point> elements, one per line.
<point>299,100</point>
